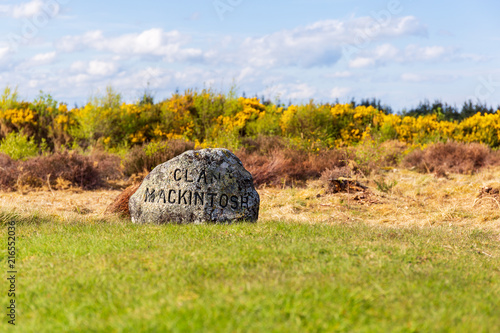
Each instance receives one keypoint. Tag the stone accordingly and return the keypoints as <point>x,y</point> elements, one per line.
<point>198,186</point>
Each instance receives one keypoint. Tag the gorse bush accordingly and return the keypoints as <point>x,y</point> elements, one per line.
<point>43,120</point>
<point>210,119</point>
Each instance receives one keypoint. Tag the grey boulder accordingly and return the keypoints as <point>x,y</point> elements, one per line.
<point>198,186</point>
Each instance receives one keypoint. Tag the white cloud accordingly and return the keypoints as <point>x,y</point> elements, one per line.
<point>37,61</point>
<point>317,44</point>
<point>426,77</point>
<point>340,75</point>
<point>361,62</point>
<point>82,69</point>
<point>474,57</point>
<point>4,51</point>
<point>301,91</point>
<point>78,66</point>
<point>101,68</point>
<point>385,53</point>
<point>43,58</point>
<point>320,43</point>
<point>27,9</point>
<point>246,73</point>
<point>152,77</point>
<point>339,92</point>
<point>408,25</point>
<point>78,79</point>
<point>30,9</point>
<point>412,77</point>
<point>366,27</point>
<point>156,42</point>
<point>426,53</point>
<point>131,83</point>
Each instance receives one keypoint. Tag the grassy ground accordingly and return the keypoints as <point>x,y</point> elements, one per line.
<point>423,256</point>
<point>99,276</point>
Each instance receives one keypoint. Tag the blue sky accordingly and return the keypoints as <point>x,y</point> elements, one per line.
<point>399,51</point>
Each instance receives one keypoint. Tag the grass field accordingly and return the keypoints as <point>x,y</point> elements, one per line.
<point>423,256</point>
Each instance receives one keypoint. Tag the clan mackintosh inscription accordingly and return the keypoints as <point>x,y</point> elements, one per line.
<point>209,185</point>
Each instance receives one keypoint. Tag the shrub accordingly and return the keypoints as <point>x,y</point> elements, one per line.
<point>19,147</point>
<point>267,123</point>
<point>146,157</point>
<point>96,117</point>
<point>8,173</point>
<point>264,169</point>
<point>311,165</point>
<point>264,145</point>
<point>108,165</point>
<point>371,156</point>
<point>77,169</point>
<point>9,98</point>
<point>450,157</point>
<point>43,120</point>
<point>289,166</point>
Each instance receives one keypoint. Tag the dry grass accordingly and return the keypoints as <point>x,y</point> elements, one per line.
<point>66,204</point>
<point>416,200</point>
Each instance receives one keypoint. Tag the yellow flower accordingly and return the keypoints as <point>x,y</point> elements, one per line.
<point>287,118</point>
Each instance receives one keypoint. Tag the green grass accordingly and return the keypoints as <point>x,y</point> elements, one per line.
<point>266,277</point>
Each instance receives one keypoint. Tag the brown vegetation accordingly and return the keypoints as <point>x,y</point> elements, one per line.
<point>73,169</point>
<point>108,165</point>
<point>289,166</point>
<point>77,169</point>
<point>271,163</point>
<point>120,203</point>
<point>140,160</point>
<point>8,173</point>
<point>269,160</point>
<point>452,157</point>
